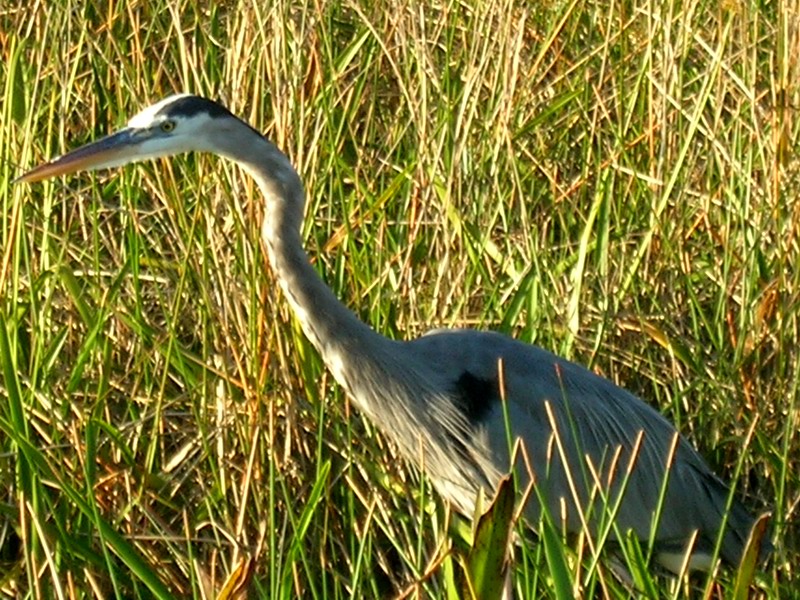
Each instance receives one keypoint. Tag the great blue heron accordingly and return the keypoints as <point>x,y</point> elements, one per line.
<point>452,400</point>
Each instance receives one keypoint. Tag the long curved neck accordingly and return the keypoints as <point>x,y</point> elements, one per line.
<point>339,336</point>
<point>385,381</point>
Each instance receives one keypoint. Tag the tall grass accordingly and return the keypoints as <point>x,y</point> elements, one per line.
<point>612,181</point>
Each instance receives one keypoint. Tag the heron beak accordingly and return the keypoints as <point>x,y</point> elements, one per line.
<point>111,151</point>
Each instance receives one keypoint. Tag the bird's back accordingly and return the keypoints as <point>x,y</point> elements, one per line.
<point>596,426</point>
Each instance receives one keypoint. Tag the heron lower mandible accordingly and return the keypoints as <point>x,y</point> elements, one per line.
<point>452,399</point>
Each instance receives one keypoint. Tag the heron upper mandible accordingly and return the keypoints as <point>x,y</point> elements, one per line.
<point>453,399</point>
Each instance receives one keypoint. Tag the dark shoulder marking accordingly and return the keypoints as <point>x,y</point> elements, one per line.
<point>189,106</point>
<point>475,396</point>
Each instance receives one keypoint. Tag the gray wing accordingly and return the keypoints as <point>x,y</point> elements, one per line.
<point>597,425</point>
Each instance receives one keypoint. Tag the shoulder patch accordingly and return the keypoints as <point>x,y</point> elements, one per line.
<point>475,396</point>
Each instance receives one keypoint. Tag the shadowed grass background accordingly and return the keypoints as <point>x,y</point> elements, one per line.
<point>615,182</point>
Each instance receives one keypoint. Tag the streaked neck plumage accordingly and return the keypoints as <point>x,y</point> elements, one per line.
<point>333,329</point>
<point>385,379</point>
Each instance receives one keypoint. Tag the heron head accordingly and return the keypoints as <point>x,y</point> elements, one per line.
<point>177,124</point>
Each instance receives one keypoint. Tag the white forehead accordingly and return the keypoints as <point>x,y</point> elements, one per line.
<point>148,115</point>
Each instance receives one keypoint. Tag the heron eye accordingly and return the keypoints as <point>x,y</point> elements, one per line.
<point>167,126</point>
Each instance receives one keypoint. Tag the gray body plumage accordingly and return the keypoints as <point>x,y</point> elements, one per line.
<point>447,398</point>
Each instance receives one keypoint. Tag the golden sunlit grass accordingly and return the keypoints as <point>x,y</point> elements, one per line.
<point>614,182</point>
